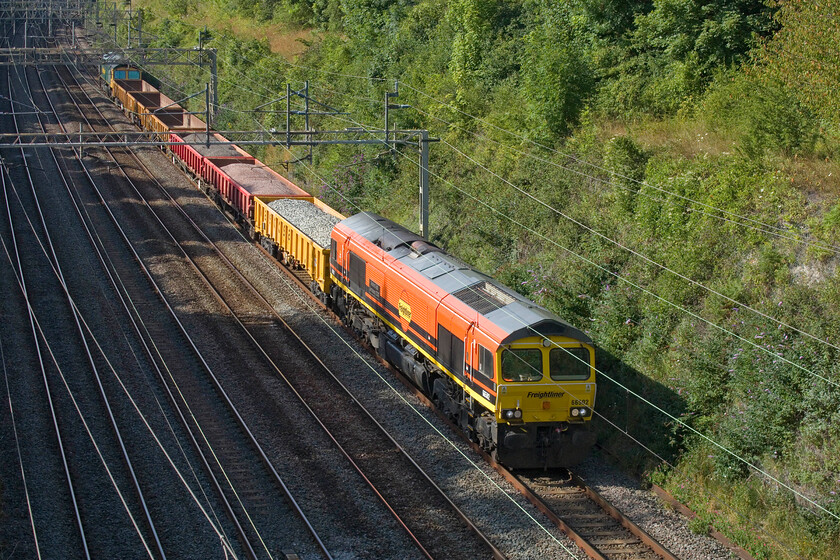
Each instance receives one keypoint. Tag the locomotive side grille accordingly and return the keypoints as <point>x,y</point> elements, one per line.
<point>483,297</point>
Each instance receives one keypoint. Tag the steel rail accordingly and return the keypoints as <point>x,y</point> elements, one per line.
<point>17,438</point>
<point>22,283</point>
<point>53,413</point>
<point>125,300</point>
<point>496,553</point>
<point>217,384</point>
<point>625,522</point>
<point>230,510</point>
<point>103,395</point>
<point>681,508</point>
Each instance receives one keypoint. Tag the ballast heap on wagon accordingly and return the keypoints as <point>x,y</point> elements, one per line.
<point>515,376</point>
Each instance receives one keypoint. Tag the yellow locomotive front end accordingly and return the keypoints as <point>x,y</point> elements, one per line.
<point>546,395</point>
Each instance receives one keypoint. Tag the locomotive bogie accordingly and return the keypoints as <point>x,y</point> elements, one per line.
<point>538,445</point>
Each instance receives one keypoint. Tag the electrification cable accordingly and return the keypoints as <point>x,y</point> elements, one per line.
<point>542,146</point>
<point>629,391</point>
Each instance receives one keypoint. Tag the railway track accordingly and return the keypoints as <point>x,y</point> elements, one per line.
<point>49,303</point>
<point>233,460</point>
<point>428,516</point>
<point>107,481</point>
<point>597,527</point>
<point>102,531</point>
<point>35,391</point>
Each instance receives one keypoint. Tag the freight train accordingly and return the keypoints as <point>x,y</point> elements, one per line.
<point>516,378</point>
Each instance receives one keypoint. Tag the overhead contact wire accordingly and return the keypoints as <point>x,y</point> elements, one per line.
<point>649,403</point>
<point>652,261</point>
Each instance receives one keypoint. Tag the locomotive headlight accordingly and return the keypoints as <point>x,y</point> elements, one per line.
<point>580,412</point>
<point>575,412</point>
<point>512,414</point>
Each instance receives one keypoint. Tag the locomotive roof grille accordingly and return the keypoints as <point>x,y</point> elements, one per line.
<point>394,238</point>
<point>484,297</point>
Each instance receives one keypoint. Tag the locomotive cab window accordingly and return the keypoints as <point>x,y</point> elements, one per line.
<point>569,363</point>
<point>522,364</point>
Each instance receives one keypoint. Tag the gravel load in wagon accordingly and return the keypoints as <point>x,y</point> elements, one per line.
<point>199,144</point>
<point>259,181</point>
<point>307,217</point>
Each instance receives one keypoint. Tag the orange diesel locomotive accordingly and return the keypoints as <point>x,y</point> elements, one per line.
<point>514,376</point>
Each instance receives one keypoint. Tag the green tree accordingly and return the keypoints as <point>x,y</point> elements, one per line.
<point>676,49</point>
<point>613,18</point>
<point>472,21</point>
<point>804,57</point>
<point>558,76</point>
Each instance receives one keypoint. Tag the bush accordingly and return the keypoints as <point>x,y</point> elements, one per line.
<point>625,161</point>
<point>767,117</point>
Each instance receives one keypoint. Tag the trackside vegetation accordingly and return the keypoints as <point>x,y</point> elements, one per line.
<point>663,174</point>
